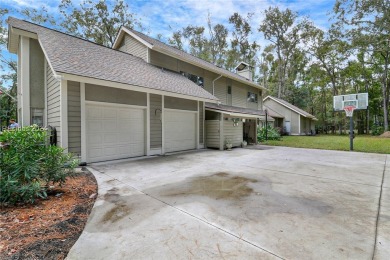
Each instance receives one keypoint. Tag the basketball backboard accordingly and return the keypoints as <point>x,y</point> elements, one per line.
<point>360,101</point>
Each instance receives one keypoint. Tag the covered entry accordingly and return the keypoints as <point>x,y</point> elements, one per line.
<point>114,131</point>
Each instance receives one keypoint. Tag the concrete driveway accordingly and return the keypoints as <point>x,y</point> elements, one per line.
<point>263,203</point>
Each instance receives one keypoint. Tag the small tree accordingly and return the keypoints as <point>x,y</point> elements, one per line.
<point>272,134</point>
<point>28,165</point>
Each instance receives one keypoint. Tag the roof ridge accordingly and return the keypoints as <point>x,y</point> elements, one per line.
<point>67,34</point>
<point>183,52</point>
<point>293,106</point>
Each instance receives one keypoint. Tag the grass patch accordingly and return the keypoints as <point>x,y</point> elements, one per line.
<point>361,143</point>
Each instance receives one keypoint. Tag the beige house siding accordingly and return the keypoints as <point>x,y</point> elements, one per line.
<point>37,75</point>
<point>114,95</point>
<point>233,133</point>
<point>74,118</point>
<point>212,133</point>
<point>180,103</point>
<point>208,80</point>
<point>53,102</point>
<point>239,95</point>
<point>201,122</point>
<point>155,121</point>
<point>189,68</point>
<point>294,122</point>
<point>164,61</point>
<point>134,47</point>
<point>220,90</point>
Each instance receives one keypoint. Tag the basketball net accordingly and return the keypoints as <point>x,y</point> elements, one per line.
<point>349,110</point>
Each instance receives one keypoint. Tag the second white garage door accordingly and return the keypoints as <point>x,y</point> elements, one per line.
<point>179,130</point>
<point>114,132</point>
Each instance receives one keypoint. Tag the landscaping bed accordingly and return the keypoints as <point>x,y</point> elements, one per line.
<point>50,227</point>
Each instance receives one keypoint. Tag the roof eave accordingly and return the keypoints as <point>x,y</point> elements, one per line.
<point>13,37</point>
<point>125,30</point>
<point>96,81</point>
<point>311,116</point>
<point>244,81</point>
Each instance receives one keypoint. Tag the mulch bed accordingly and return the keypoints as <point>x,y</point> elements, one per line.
<point>385,134</point>
<point>50,227</point>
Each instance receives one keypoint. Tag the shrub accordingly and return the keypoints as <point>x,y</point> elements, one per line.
<point>377,129</point>
<point>273,134</point>
<point>28,165</point>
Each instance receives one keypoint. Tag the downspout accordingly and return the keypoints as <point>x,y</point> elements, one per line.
<point>220,76</point>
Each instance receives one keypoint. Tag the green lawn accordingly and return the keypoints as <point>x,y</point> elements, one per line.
<point>361,143</point>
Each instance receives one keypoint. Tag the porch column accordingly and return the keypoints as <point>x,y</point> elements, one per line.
<point>24,60</point>
<point>221,138</point>
<point>64,114</point>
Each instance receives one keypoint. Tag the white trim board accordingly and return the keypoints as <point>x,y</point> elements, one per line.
<point>131,87</point>
<point>113,104</point>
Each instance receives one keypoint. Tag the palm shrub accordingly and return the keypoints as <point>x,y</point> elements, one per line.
<point>28,165</point>
<point>273,134</point>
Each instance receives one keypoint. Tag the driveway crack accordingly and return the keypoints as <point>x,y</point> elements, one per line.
<point>379,208</point>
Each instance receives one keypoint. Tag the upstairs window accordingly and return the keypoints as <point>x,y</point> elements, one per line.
<point>252,97</point>
<point>194,78</point>
<point>229,90</point>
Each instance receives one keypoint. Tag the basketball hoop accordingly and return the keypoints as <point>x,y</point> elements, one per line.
<point>349,110</point>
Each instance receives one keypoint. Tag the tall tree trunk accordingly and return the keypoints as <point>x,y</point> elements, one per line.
<point>385,96</point>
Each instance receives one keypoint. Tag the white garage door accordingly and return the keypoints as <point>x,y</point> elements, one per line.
<point>114,132</point>
<point>179,130</point>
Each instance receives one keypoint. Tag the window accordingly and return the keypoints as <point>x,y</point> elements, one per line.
<point>37,116</point>
<point>196,79</point>
<point>229,90</point>
<point>252,97</point>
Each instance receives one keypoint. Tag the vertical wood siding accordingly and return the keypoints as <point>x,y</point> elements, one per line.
<point>74,118</point>
<point>134,47</point>
<point>201,120</point>
<point>53,102</point>
<point>155,122</point>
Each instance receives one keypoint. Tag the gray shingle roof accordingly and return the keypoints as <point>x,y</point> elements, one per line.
<point>194,60</point>
<point>291,106</point>
<point>233,109</point>
<point>72,55</point>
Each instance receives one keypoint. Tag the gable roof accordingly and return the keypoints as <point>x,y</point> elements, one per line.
<point>291,107</point>
<point>71,55</point>
<point>159,46</point>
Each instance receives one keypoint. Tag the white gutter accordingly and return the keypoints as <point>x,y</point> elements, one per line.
<point>220,76</point>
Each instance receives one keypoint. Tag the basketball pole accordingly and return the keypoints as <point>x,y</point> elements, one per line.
<point>351,133</point>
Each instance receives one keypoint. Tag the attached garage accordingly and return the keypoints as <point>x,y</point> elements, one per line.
<point>114,131</point>
<point>180,130</point>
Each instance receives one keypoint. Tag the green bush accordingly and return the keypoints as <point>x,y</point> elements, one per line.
<point>377,130</point>
<point>28,165</point>
<point>273,134</point>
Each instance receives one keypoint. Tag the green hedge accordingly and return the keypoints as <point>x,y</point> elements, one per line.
<point>29,166</point>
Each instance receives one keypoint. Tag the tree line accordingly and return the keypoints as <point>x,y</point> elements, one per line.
<point>300,63</point>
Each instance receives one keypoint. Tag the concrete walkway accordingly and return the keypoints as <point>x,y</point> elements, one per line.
<point>262,203</point>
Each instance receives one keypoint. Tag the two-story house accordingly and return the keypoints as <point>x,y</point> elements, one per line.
<point>235,116</point>
<point>142,97</point>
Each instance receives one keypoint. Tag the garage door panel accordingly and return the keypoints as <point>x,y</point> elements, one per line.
<point>180,130</point>
<point>108,125</point>
<point>94,126</point>
<point>94,113</point>
<point>108,113</point>
<point>114,132</point>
